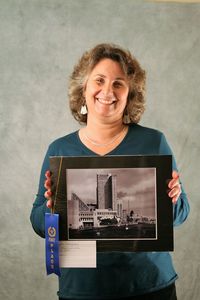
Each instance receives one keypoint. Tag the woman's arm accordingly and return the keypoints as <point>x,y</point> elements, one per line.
<point>181,207</point>
<point>39,209</point>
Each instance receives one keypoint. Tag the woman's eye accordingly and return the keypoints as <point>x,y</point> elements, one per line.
<point>99,80</point>
<point>117,84</point>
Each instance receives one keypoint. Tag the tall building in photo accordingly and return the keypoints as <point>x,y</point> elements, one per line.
<point>120,208</point>
<point>106,191</point>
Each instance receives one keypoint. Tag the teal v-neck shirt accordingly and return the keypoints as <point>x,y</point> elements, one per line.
<point>118,274</point>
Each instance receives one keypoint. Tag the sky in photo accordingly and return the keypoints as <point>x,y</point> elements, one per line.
<point>135,186</point>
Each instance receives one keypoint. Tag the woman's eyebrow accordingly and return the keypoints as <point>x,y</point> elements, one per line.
<point>120,78</point>
<point>101,75</point>
<point>117,78</point>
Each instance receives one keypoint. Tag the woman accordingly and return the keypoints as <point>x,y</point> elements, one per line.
<point>106,93</point>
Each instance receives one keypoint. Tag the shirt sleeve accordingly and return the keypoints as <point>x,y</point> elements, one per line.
<point>39,208</point>
<point>181,208</point>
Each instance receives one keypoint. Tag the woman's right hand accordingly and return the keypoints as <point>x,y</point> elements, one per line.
<point>48,193</point>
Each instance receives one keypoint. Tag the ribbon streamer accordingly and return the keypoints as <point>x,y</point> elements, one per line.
<point>52,243</point>
<point>52,235</point>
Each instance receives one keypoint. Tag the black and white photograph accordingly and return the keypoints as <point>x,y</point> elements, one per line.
<point>112,203</point>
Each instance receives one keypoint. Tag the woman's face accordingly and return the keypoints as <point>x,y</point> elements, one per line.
<point>106,91</point>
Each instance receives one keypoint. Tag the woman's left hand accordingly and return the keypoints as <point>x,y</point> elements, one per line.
<point>175,187</point>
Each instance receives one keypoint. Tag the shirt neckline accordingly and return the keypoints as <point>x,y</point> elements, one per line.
<point>89,151</point>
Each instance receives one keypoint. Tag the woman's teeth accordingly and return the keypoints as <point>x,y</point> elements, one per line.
<point>105,101</point>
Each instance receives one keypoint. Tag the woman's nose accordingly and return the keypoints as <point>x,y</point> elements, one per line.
<point>108,90</point>
<point>106,94</point>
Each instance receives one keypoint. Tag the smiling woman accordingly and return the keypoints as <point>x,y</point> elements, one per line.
<point>106,94</point>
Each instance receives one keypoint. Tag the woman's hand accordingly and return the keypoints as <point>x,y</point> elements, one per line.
<point>48,193</point>
<point>175,187</point>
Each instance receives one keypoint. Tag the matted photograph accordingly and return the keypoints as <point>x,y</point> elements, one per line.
<point>120,202</point>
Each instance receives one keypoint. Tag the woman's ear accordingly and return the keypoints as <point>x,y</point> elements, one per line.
<point>84,90</point>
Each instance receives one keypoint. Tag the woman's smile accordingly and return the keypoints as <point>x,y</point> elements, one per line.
<point>106,100</point>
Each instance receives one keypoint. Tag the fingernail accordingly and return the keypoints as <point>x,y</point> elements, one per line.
<point>177,176</point>
<point>48,182</point>
<point>49,193</point>
<point>48,173</point>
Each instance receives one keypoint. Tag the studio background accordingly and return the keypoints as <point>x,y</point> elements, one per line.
<point>41,40</point>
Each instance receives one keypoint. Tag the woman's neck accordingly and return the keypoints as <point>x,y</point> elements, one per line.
<point>102,138</point>
<point>103,132</point>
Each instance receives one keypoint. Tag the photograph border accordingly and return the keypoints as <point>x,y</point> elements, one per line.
<point>163,166</point>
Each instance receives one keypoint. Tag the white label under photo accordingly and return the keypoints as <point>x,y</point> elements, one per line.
<point>77,254</point>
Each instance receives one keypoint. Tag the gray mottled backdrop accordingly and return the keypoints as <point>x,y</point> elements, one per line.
<point>40,40</point>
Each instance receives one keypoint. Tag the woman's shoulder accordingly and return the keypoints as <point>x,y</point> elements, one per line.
<point>148,139</point>
<point>143,130</point>
<point>63,142</point>
<point>64,138</point>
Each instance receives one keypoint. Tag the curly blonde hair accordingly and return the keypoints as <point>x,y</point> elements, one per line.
<point>131,67</point>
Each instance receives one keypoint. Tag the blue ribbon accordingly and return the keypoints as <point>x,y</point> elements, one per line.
<point>52,243</point>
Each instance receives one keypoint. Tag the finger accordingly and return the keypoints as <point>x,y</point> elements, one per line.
<point>175,191</point>
<point>173,183</point>
<point>175,174</point>
<point>49,203</point>
<point>175,199</point>
<point>48,174</point>
<point>47,183</point>
<point>48,194</point>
